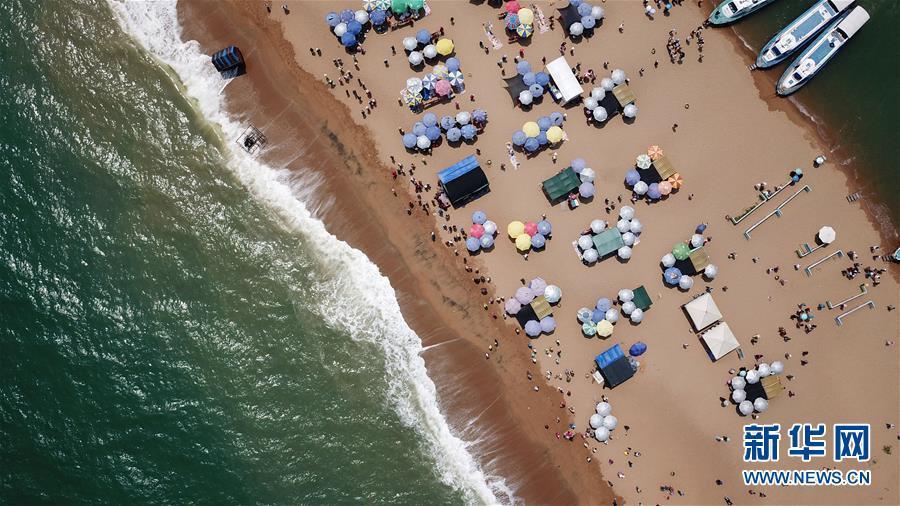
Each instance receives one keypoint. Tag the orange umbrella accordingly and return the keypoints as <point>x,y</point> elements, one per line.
<point>654,152</point>
<point>676,181</point>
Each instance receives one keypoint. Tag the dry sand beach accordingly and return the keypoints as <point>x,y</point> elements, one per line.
<point>732,133</point>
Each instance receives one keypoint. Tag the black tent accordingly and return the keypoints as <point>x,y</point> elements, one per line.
<point>567,16</point>
<point>463,181</point>
<point>514,86</point>
<point>526,314</point>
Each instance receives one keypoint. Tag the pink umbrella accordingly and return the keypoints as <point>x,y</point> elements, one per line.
<point>512,6</point>
<point>442,87</point>
<point>531,228</point>
<point>665,187</point>
<point>476,230</point>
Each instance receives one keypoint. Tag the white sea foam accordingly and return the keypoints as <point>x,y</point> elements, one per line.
<point>367,303</point>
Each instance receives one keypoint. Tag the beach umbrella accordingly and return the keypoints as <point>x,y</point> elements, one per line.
<point>442,87</point>
<point>623,225</point>
<point>346,15</point>
<point>423,36</point>
<point>597,12</point>
<point>473,244</point>
<point>340,29</point>
<point>636,227</point>
<point>603,408</point>
<point>441,71</point>
<point>383,5</point>
<point>610,422</point>
<point>413,99</point>
<point>625,295</point>
<point>525,97</point>
<point>584,315</point>
<point>672,275</point>
<point>479,217</point>
<point>543,79</point>
<point>519,138</point>
<point>433,133</point>
<point>637,316</point>
<point>531,129</point>
<point>590,255</point>
<point>628,238</point>
<point>738,396</point>
<point>532,144</point>
<point>643,161</point>
<point>777,367</point>
<point>452,64</point>
<point>598,93</point>
<point>399,6</point>
<point>604,328</point>
<point>361,17</point>
<point>532,328</point>
<point>444,46</point>
<point>626,213</point>
<point>600,115</point>
<point>476,230</point>
<point>409,43</point>
<point>378,17</point>
<point>523,242</point>
<point>332,19</point>
<point>637,349</point>
<point>628,307</point>
<point>512,306</point>
<point>597,315</point>
<point>607,84</point>
<point>429,119</point>
<point>544,228</point>
<point>463,117</point>
<point>429,51</point>
<point>745,407</point>
<point>526,16</point>
<point>681,251</point>
<point>487,241</point>
<point>553,294</point>
<point>668,260</point>
<point>555,135</point>
<point>428,83</point>
<point>827,235</point>
<point>456,78</point>
<point>588,22</point>
<point>641,188</point>
<point>738,383</point>
<point>578,165</point>
<point>576,29</point>
<point>624,252</point>
<point>685,282</point>
<point>588,329</point>
<point>409,140</point>
<point>585,242</point>
<point>760,404</point>
<point>665,187</point>
<point>524,30</point>
<point>530,227</point>
<point>512,7</point>
<point>598,226</point>
<point>590,103</point>
<point>596,421</point>
<point>696,240</point>
<point>548,324</point>
<point>422,142</point>
<point>479,116</point>
<point>752,377</point>
<point>536,90</point>
<point>523,67</point>
<point>710,271</point>
<point>447,122</point>
<point>584,9</point>
<point>419,128</point>
<point>454,134</point>
<point>515,229</point>
<point>675,181</point>
<point>763,369</point>
<point>653,191</point>
<point>415,58</point>
<point>618,76</point>
<point>630,111</point>
<point>632,177</point>
<point>544,123</point>
<point>524,295</point>
<point>654,152</point>
<point>612,316</point>
<point>512,21</point>
<point>603,304</point>
<point>415,4</point>
<point>601,434</point>
<point>490,228</point>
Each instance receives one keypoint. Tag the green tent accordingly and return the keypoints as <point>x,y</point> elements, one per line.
<point>641,299</point>
<point>608,241</point>
<point>561,184</point>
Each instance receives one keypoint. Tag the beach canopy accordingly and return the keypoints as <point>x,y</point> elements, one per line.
<point>642,299</point>
<point>614,366</point>
<point>703,311</point>
<point>515,86</point>
<point>608,241</point>
<point>561,73</point>
<point>561,184</point>
<point>699,259</point>
<point>463,181</point>
<point>720,341</point>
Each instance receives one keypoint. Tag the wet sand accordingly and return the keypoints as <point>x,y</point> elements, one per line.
<point>731,136</point>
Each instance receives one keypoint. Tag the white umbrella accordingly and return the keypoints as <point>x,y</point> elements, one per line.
<point>598,93</point>
<point>361,17</point>
<point>641,188</point>
<point>340,29</point>
<point>596,421</point>
<point>636,226</point>
<point>584,314</point>
<point>745,407</point>
<point>463,117</point>
<point>637,315</point>
<point>414,85</point>
<point>525,97</point>
<point>763,369</point>
<point>604,409</point>
<point>628,239</point>
<point>618,76</point>
<point>590,103</point>
<point>696,240</point>
<point>624,252</point>
<point>409,43</point>
<point>602,434</point>
<point>598,226</point>
<point>710,271</point>
<point>612,316</point>
<point>591,255</point>
<point>827,235</point>
<point>738,396</point>
<point>490,228</point>
<point>626,212</point>
<point>585,242</point>
<point>423,142</point>
<point>600,114</point>
<point>685,282</point>
<point>623,225</point>
<point>610,422</point>
<point>430,51</point>
<point>415,58</point>
<point>553,294</point>
<point>628,308</point>
<point>777,367</point>
<point>625,295</point>
<point>630,111</point>
<point>668,260</point>
<point>760,404</point>
<point>587,175</point>
<point>752,377</point>
<point>738,383</point>
<point>597,12</point>
<point>607,84</point>
<point>643,161</point>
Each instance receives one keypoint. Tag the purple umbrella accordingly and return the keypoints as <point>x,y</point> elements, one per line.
<point>548,324</point>
<point>604,304</point>
<point>524,295</point>
<point>632,177</point>
<point>346,15</point>
<point>586,190</point>
<point>578,164</point>
<point>701,228</point>
<point>423,36</point>
<point>597,315</point>
<point>479,116</point>
<point>538,241</point>
<point>448,122</point>
<point>472,244</point>
<point>542,78</point>
<point>452,64</point>
<point>519,138</point>
<point>479,217</point>
<point>544,228</point>
<point>528,78</point>
<point>542,138</point>
<point>419,128</point>
<point>333,19</point>
<point>512,306</point>
<point>584,10</point>
<point>653,191</point>
<point>378,17</point>
<point>454,134</point>
<point>348,39</point>
<point>468,132</point>
<point>429,119</point>
<point>533,328</point>
<point>354,27</point>
<point>536,90</point>
<point>544,123</point>
<point>433,133</point>
<point>523,67</point>
<point>556,117</point>
<point>409,140</point>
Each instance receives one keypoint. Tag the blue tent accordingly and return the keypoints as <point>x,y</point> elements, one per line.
<point>463,181</point>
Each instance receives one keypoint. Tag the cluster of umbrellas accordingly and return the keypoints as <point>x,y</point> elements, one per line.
<point>628,226</point>
<point>590,15</point>
<point>529,235</point>
<point>481,233</point>
<point>537,82</point>
<point>519,20</point>
<point>587,175</point>
<point>629,308</point>
<point>423,40</point>
<point>653,191</point>
<point>525,295</point>
<point>442,81</point>
<point>535,135</point>
<point>348,25</point>
<point>598,321</point>
<point>592,107</point>
<point>463,126</point>
<point>603,422</point>
<point>738,384</point>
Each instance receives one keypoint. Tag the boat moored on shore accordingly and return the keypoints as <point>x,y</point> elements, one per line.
<point>730,11</point>
<point>800,31</point>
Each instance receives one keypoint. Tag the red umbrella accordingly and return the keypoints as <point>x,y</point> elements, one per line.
<point>476,230</point>
<point>442,87</point>
<point>512,7</point>
<point>531,228</point>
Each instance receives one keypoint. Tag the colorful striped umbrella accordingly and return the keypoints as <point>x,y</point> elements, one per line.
<point>643,161</point>
<point>412,99</point>
<point>369,5</point>
<point>428,81</point>
<point>676,181</point>
<point>654,152</point>
<point>440,70</point>
<point>512,21</point>
<point>525,30</point>
<point>456,79</point>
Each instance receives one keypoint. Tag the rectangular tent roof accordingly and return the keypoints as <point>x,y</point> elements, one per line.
<point>772,386</point>
<point>699,259</point>
<point>623,94</point>
<point>663,167</point>
<point>463,181</point>
<point>561,184</point>
<point>561,73</point>
<point>720,341</point>
<point>608,241</point>
<point>614,366</point>
<point>703,311</point>
<point>641,298</point>
<point>541,307</point>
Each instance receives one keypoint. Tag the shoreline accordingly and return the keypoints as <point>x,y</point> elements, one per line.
<point>444,320</point>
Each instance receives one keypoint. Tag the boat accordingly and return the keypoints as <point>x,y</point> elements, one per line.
<point>821,50</point>
<point>730,11</point>
<point>793,36</point>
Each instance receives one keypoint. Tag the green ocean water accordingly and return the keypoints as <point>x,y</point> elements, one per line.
<point>854,97</point>
<point>165,336</point>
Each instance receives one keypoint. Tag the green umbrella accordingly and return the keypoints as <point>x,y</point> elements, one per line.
<point>415,4</point>
<point>589,329</point>
<point>398,6</point>
<point>681,251</point>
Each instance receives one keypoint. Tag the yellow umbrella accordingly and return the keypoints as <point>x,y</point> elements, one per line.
<point>654,152</point>
<point>444,47</point>
<point>604,328</point>
<point>531,129</point>
<point>526,16</point>
<point>676,181</point>
<point>554,134</point>
<point>515,229</point>
<point>523,242</point>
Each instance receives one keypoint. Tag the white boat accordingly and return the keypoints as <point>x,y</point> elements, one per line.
<point>730,11</point>
<point>793,36</point>
<point>821,51</point>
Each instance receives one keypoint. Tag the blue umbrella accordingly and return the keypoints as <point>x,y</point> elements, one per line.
<point>409,140</point>
<point>473,244</point>
<point>469,132</point>
<point>378,17</point>
<point>448,122</point>
<point>544,123</point>
<point>632,177</point>
<point>529,78</point>
<point>538,241</point>
<point>333,19</point>
<point>430,119</point>
<point>584,10</point>
<point>346,15</point>
<point>588,22</point>
<point>533,328</point>
<point>487,241</point>
<point>454,134</point>
<point>597,315</point>
<point>348,39</point>
<point>637,349</point>
<point>479,116</point>
<point>523,67</point>
<point>556,117</point>
<point>575,3</point>
<point>700,228</point>
<point>519,138</point>
<point>512,21</point>
<point>419,128</point>
<point>603,304</point>
<point>542,78</point>
<point>423,36</point>
<point>452,64</point>
<point>479,217</point>
<point>536,90</point>
<point>433,133</point>
<point>672,275</point>
<point>544,228</point>
<point>354,27</point>
<point>578,164</point>
<point>532,145</point>
<point>542,138</point>
<point>653,191</point>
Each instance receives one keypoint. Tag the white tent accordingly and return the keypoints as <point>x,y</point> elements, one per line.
<point>703,311</point>
<point>561,73</point>
<point>720,340</point>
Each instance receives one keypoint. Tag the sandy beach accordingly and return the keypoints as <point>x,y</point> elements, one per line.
<point>732,133</point>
